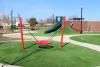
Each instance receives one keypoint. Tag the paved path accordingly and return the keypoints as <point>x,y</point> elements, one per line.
<point>67,39</point>
<point>6,65</point>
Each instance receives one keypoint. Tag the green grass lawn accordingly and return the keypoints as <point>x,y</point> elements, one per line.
<point>91,32</point>
<point>67,31</point>
<point>40,32</point>
<point>92,39</point>
<point>69,56</point>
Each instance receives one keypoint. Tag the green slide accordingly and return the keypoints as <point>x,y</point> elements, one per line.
<point>55,27</point>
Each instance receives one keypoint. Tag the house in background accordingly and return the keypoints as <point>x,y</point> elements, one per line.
<point>25,24</point>
<point>5,21</point>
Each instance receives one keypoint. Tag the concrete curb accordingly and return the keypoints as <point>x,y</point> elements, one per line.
<point>6,65</point>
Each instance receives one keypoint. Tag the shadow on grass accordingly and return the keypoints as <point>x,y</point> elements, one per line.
<point>29,54</point>
<point>2,59</point>
<point>29,46</point>
<point>24,57</point>
<point>65,44</point>
<point>45,46</point>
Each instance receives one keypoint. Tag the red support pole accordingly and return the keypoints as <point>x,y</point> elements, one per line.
<point>21,32</point>
<point>63,25</point>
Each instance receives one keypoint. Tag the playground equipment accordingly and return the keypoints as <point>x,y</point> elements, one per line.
<point>13,27</point>
<point>1,30</point>
<point>38,42</point>
<point>54,29</point>
<point>63,25</point>
<point>71,24</point>
<point>56,26</point>
<point>21,32</point>
<point>60,22</point>
<point>41,42</point>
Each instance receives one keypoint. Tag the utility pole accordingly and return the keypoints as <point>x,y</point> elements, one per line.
<point>53,19</point>
<point>81,20</point>
<point>11,17</point>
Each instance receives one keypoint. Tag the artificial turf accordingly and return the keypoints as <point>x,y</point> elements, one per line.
<point>40,32</point>
<point>92,39</point>
<point>33,56</point>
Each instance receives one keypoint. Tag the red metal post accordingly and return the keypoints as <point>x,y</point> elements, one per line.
<point>21,32</point>
<point>63,25</point>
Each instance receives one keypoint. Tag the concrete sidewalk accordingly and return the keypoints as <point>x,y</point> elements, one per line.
<point>6,65</point>
<point>87,45</point>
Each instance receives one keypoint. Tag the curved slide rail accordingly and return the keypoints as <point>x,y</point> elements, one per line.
<point>55,27</point>
<point>77,30</point>
<point>72,26</point>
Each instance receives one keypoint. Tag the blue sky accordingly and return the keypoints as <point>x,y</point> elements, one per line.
<point>45,8</point>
